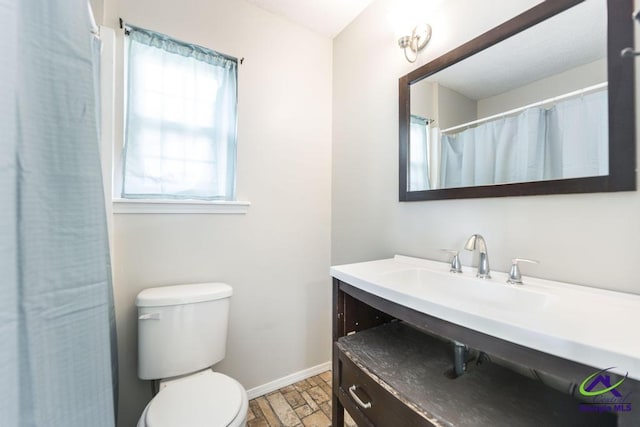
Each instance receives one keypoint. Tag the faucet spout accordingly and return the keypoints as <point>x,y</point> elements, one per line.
<point>477,242</point>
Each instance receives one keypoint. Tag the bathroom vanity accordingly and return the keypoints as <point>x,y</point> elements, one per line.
<point>529,349</point>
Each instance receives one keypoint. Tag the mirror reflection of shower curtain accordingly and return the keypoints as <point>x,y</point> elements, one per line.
<point>578,137</point>
<point>569,140</point>
<point>418,169</point>
<point>56,311</point>
<point>509,149</point>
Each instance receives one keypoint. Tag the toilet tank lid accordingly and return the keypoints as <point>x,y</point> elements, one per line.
<point>182,294</point>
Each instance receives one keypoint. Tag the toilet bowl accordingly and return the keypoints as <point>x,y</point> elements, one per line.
<point>204,399</point>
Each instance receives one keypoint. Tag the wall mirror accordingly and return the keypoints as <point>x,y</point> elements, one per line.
<point>541,104</point>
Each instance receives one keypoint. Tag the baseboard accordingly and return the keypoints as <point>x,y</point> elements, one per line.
<point>288,380</point>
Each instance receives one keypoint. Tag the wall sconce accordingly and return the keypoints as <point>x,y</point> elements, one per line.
<point>418,39</point>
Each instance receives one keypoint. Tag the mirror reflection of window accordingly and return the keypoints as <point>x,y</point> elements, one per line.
<point>419,154</point>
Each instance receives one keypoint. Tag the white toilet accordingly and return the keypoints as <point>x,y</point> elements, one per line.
<point>182,332</point>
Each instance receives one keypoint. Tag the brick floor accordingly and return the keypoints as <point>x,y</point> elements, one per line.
<point>306,403</point>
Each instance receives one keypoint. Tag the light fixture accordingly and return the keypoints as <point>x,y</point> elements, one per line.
<point>418,39</point>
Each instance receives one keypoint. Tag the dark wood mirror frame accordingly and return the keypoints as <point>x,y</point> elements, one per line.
<point>622,135</point>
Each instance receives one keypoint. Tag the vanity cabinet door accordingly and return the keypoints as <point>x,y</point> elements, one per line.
<point>368,402</point>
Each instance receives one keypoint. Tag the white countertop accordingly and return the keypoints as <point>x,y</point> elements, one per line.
<point>592,326</point>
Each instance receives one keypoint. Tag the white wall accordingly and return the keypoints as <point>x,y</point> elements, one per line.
<point>454,108</point>
<point>97,7</point>
<point>559,84</point>
<point>276,257</point>
<point>587,239</point>
<point>443,105</point>
<point>423,100</point>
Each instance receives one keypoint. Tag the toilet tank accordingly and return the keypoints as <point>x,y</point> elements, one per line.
<point>181,329</point>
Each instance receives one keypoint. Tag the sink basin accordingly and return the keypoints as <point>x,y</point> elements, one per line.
<point>467,292</point>
<point>563,319</point>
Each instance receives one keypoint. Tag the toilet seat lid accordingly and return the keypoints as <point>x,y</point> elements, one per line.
<point>210,399</point>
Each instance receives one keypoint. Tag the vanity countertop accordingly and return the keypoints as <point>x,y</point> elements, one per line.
<point>588,325</point>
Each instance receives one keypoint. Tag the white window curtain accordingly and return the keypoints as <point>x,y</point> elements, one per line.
<point>181,120</point>
<point>419,154</point>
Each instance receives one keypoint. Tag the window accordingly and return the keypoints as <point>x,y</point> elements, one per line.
<point>181,113</point>
<point>419,167</point>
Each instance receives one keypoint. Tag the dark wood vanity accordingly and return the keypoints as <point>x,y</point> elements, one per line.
<point>392,366</point>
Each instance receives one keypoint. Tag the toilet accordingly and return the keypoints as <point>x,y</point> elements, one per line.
<point>182,332</point>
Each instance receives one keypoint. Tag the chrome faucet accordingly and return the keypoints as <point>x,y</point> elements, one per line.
<point>476,242</point>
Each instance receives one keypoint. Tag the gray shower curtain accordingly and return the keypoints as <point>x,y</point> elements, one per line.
<point>57,351</point>
<point>568,140</point>
<point>510,149</point>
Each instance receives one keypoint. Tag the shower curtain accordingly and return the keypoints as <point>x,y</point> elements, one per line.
<point>57,351</point>
<point>510,149</point>
<point>568,140</point>
<point>578,134</point>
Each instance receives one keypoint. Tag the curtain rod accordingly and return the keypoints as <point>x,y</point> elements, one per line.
<point>95,30</point>
<point>123,26</point>
<point>535,104</point>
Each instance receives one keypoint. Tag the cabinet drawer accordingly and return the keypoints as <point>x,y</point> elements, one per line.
<point>368,402</point>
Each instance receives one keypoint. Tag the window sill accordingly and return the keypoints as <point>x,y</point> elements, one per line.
<point>146,206</point>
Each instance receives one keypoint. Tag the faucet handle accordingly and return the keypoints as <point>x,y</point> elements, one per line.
<point>515,278</point>
<point>456,266</point>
